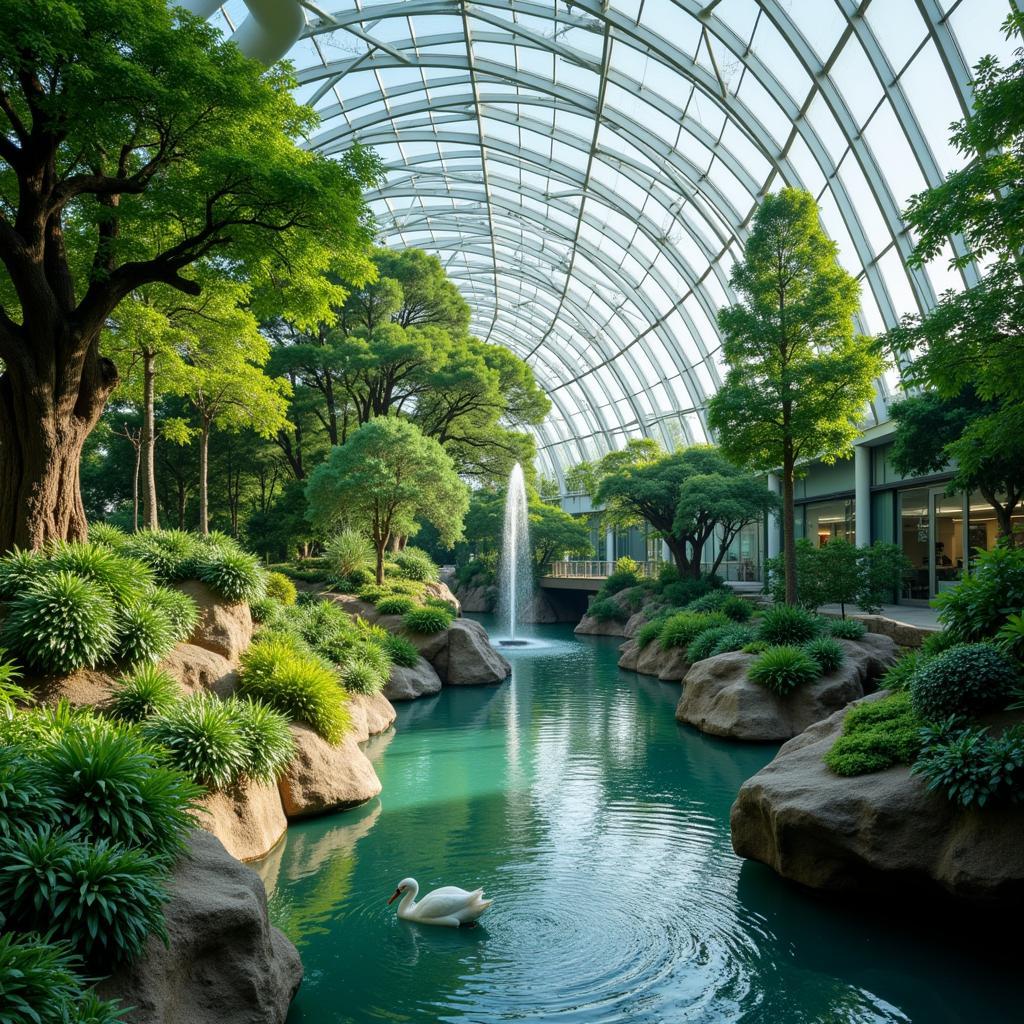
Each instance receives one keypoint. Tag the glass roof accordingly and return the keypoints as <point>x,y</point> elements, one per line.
<point>587,171</point>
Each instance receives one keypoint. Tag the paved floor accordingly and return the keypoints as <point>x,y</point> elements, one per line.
<point>913,614</point>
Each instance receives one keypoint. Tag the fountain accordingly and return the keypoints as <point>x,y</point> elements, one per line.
<point>515,572</point>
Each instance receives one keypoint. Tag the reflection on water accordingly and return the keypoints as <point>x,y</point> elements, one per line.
<point>601,829</point>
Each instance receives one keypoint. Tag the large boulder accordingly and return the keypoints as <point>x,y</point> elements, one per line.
<point>441,592</point>
<point>719,699</point>
<point>478,599</point>
<point>629,655</point>
<point>222,628</point>
<point>247,818</point>
<point>324,777</point>
<point>223,963</point>
<point>468,659</point>
<point>197,668</point>
<point>885,830</point>
<point>672,664</point>
<point>371,714</point>
<point>589,626</point>
<point>419,680</point>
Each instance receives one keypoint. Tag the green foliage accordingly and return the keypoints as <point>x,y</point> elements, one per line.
<point>265,736</point>
<point>26,798</point>
<point>682,628</point>
<point>124,579</point>
<point>968,680</point>
<point>649,631</point>
<point>108,535</point>
<point>718,640</point>
<point>396,605</point>
<point>11,694</point>
<point>787,624</point>
<point>1010,638</point>
<point>264,609</point>
<point>826,652</point>
<point>876,735</point>
<point>936,643</point>
<point>145,632</point>
<point>17,570</point>
<point>179,608</point>
<point>427,620</point>
<point>233,574</point>
<point>755,647</point>
<point>685,591</point>
<point>60,622</point>
<point>146,692</point>
<point>737,609</point>
<point>349,552</point>
<point>169,553</point>
<point>898,676</point>
<point>783,668</point>
<point>710,602</point>
<point>976,608</point>
<point>280,588</point>
<point>846,629</point>
<point>361,676</point>
<point>607,610</point>
<point>415,564</point>
<point>297,684</point>
<point>401,651</point>
<point>970,765</point>
<point>619,580</point>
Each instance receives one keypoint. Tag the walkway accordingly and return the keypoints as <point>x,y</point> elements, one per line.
<point>912,614</point>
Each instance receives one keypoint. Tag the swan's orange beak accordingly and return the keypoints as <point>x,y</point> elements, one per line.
<point>394,896</point>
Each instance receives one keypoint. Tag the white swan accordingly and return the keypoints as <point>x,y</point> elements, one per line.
<point>448,906</point>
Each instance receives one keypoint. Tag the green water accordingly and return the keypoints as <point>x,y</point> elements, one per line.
<point>601,829</point>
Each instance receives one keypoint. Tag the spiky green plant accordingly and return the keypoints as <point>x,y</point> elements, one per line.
<point>234,575</point>
<point>396,605</point>
<point>347,552</point>
<point>280,588</point>
<point>401,651</point>
<point>179,608</point>
<point>38,980</point>
<point>11,694</point>
<point>681,629</point>
<point>145,632</point>
<point>427,620</point>
<point>126,579</point>
<point>27,798</point>
<point>786,624</point>
<point>847,629</point>
<point>416,564</point>
<point>108,535</point>
<point>60,622</point>
<point>146,692</point>
<point>360,676</point>
<point>826,652</point>
<point>268,741</point>
<point>169,553</point>
<point>18,569</point>
<point>783,669</point>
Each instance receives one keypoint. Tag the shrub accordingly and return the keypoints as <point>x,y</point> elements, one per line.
<point>684,590</point>
<point>233,574</point>
<point>737,609</point>
<point>102,898</point>
<point>898,676</point>
<point>268,742</point>
<point>733,638</point>
<point>11,694</point>
<point>971,766</point>
<point>396,605</point>
<point>1011,636</point>
<point>360,676</point>
<point>618,580</point>
<point>826,652</point>
<point>709,602</point>
<point>407,588</point>
<point>179,608</point>
<point>17,570</point>
<point>846,629</point>
<point>357,578</point>
<point>784,624</point>
<point>144,632</point>
<point>347,552</point>
<point>965,680</point>
<point>108,535</point>
<point>708,643</point>
<point>125,579</point>
<point>977,606</point>
<point>416,564</point>
<point>936,643</point>
<point>169,553</point>
<point>60,622</point>
<point>626,564</point>
<point>427,620</point>
<point>401,651</point>
<point>649,631</point>
<point>146,692</point>
<point>201,739</point>
<point>755,647</point>
<point>876,735</point>
<point>280,588</point>
<point>607,610</point>
<point>681,629</point>
<point>264,609</point>
<point>373,593</point>
<point>26,797</point>
<point>90,1009</point>
<point>297,684</point>
<point>782,669</point>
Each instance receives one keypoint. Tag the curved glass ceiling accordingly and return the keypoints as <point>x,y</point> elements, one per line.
<point>587,171</point>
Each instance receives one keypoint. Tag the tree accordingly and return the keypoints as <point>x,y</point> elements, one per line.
<point>135,143</point>
<point>798,380</point>
<point>385,477</point>
<point>555,534</point>
<point>585,477</point>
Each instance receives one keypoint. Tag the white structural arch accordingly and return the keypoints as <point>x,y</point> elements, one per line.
<point>588,171</point>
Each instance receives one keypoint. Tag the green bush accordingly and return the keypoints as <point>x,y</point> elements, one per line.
<point>146,692</point>
<point>60,622</point>
<point>898,676</point>
<point>372,593</point>
<point>786,625</point>
<point>607,610</point>
<point>101,898</point>
<point>11,693</point>
<point>1011,636</point>
<point>145,632</point>
<point>299,685</point>
<point>26,797</point>
<point>407,588</point>
<point>280,588</point>
<point>683,591</point>
<point>416,564</point>
<point>396,605</point>
<point>124,578</point>
<point>936,643</point>
<point>846,629</point>
<point>401,651</point>
<point>360,676</point>
<point>427,620</point>
<point>169,553</point>
<point>179,608</point>
<point>737,609</point>
<point>969,680</point>
<point>682,628</point>
<point>619,580</point>
<point>108,535</point>
<point>826,652</point>
<point>876,735</point>
<point>233,574</point>
<point>201,739</point>
<point>755,647</point>
<point>649,631</point>
<point>17,570</point>
<point>263,609</point>
<point>267,740</point>
<point>970,766</point>
<point>717,640</point>
<point>710,602</point>
<point>348,552</point>
<point>977,606</point>
<point>784,668</point>
<point>356,579</point>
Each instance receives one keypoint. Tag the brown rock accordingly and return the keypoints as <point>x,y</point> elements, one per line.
<point>223,628</point>
<point>420,680</point>
<point>629,655</point>
<point>468,659</point>
<point>371,714</point>
<point>478,599</point>
<point>86,687</point>
<point>589,626</point>
<point>248,819</point>
<point>322,777</point>
<point>651,658</point>
<point>885,830</point>
<point>224,963</point>
<point>440,591</point>
<point>672,664</point>
<point>197,668</point>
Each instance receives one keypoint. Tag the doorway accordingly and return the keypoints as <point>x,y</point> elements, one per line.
<point>932,538</point>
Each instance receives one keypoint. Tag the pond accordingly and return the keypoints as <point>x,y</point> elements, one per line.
<point>601,829</point>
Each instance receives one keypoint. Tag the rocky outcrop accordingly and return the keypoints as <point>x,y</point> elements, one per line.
<point>478,599</point>
<point>650,660</point>
<point>467,658</point>
<point>224,963</point>
<point>324,777</point>
<point>905,634</point>
<point>371,714</point>
<point>884,831</point>
<point>589,626</point>
<point>419,680</point>
<point>85,687</point>
<point>223,628</point>
<point>631,605</point>
<point>441,592</point>
<point>719,699</point>
<point>247,818</point>
<point>197,668</point>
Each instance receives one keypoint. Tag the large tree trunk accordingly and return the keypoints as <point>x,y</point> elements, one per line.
<point>204,460</point>
<point>150,516</point>
<point>788,528</point>
<point>678,552</point>
<point>380,561</point>
<point>46,413</point>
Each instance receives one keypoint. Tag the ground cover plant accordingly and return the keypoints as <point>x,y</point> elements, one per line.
<point>826,652</point>
<point>682,628</point>
<point>426,620</point>
<point>876,735</point>
<point>787,624</point>
<point>607,610</point>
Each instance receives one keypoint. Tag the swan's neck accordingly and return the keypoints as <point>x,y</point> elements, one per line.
<point>408,899</point>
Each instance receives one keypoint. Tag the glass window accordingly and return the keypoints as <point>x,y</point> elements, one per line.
<point>829,520</point>
<point>914,535</point>
<point>949,540</point>
<point>883,505</point>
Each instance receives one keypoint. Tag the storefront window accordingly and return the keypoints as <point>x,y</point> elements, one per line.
<point>829,520</point>
<point>914,536</point>
<point>949,540</point>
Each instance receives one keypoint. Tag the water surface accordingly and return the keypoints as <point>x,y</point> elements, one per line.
<point>601,829</point>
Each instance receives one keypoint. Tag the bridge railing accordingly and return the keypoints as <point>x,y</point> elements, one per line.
<point>590,569</point>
